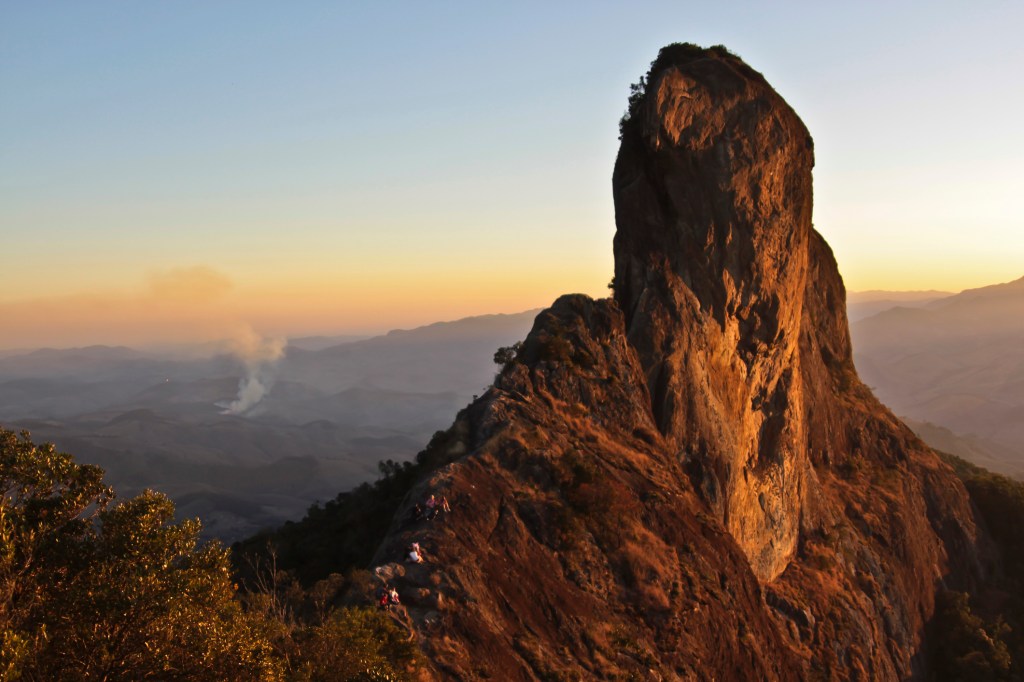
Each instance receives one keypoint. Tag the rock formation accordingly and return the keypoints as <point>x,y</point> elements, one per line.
<point>713,207</point>
<point>688,481</point>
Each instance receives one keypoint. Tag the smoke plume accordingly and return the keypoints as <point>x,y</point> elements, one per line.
<point>259,356</point>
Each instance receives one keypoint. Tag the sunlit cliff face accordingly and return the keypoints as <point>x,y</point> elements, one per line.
<point>676,462</point>
<point>713,206</point>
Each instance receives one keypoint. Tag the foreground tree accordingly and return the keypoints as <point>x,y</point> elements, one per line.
<point>90,590</point>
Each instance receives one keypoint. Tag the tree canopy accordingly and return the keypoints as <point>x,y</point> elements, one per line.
<point>94,588</point>
<point>90,589</point>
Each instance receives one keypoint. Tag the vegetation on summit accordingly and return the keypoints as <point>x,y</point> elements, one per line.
<point>667,55</point>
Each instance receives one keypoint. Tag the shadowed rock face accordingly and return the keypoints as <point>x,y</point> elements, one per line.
<point>689,481</point>
<point>713,206</point>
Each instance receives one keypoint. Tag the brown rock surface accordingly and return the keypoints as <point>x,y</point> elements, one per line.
<point>689,481</point>
<point>713,207</point>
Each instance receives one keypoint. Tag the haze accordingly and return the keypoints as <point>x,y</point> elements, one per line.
<point>180,172</point>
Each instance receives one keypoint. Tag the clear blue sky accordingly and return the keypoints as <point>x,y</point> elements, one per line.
<point>314,166</point>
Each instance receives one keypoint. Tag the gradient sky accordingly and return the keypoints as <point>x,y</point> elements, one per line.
<point>173,170</point>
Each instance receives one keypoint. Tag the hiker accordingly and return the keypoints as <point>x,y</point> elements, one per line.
<point>415,515</point>
<point>384,602</point>
<point>415,554</point>
<point>393,595</point>
<point>432,508</point>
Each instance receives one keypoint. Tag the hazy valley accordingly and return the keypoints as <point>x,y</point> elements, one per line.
<point>327,414</point>
<point>952,365</point>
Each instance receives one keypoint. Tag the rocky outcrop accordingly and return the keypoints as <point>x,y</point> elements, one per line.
<point>689,481</point>
<point>713,207</point>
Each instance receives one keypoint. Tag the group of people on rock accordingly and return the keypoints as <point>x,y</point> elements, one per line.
<point>388,598</point>
<point>434,507</point>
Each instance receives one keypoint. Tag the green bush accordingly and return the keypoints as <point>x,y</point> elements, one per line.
<point>355,645</point>
<point>507,355</point>
<point>1000,501</point>
<point>90,590</point>
<point>964,648</point>
<point>93,590</point>
<point>674,53</point>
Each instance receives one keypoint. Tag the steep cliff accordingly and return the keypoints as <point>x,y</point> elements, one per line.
<point>689,481</point>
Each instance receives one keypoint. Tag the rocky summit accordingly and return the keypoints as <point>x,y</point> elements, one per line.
<point>688,480</point>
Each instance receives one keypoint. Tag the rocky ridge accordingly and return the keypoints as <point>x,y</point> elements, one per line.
<point>689,481</point>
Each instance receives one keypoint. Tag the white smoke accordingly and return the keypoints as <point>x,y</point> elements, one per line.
<point>260,356</point>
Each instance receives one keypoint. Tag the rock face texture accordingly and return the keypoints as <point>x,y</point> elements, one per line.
<point>688,481</point>
<point>713,208</point>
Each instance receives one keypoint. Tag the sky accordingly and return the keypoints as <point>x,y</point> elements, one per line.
<point>177,171</point>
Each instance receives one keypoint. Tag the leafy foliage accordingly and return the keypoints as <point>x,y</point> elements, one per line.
<point>556,348</point>
<point>554,344</point>
<point>637,94</point>
<point>966,650</point>
<point>506,355</point>
<point>94,591</point>
<point>320,642</point>
<point>675,53</point>
<point>1000,501</point>
<point>354,645</point>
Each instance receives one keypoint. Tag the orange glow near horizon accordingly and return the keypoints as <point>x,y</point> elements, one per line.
<point>201,305</point>
<point>386,167</point>
<point>198,304</point>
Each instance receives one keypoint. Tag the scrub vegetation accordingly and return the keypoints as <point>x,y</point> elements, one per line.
<point>96,588</point>
<point>975,641</point>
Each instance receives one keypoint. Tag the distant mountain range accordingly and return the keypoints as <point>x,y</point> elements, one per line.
<point>954,366</point>
<point>951,365</point>
<point>861,304</point>
<point>331,412</point>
